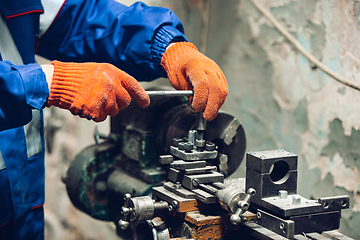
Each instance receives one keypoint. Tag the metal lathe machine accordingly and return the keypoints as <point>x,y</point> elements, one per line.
<point>162,174</point>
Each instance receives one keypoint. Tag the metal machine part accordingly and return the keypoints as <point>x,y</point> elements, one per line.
<point>171,153</point>
<point>279,207</point>
<point>150,132</point>
<point>127,161</point>
<point>191,186</point>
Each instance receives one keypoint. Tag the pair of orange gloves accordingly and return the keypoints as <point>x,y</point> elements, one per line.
<point>96,90</point>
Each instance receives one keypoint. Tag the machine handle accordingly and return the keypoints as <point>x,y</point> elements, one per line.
<point>179,93</point>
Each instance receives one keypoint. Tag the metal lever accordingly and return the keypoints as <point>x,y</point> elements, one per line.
<point>179,93</point>
<point>243,207</point>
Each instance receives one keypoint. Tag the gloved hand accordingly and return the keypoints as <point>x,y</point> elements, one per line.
<point>93,90</point>
<point>188,69</point>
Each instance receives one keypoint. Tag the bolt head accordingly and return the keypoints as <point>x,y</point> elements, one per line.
<point>195,182</point>
<point>210,147</point>
<point>181,146</point>
<point>188,146</point>
<point>282,226</point>
<point>176,141</point>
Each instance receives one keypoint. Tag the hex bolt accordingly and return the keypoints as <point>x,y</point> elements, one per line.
<point>188,146</point>
<point>210,147</point>
<point>181,146</point>
<point>296,200</point>
<point>280,150</point>
<point>200,143</point>
<point>176,141</point>
<point>177,185</point>
<point>262,156</point>
<point>283,194</point>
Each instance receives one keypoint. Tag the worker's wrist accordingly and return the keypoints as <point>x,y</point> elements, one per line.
<point>48,69</point>
<point>163,38</point>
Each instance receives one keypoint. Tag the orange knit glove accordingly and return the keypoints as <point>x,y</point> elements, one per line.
<point>93,90</point>
<point>188,69</point>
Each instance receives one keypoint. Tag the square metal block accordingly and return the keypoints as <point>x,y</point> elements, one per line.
<point>266,187</point>
<point>264,160</point>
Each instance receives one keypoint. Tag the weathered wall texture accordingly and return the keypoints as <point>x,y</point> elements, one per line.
<point>285,102</point>
<point>282,100</point>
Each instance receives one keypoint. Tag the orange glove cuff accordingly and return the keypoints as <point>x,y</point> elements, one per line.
<point>173,58</point>
<point>66,83</point>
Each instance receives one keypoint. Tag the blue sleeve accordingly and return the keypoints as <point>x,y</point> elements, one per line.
<point>132,38</point>
<point>22,88</point>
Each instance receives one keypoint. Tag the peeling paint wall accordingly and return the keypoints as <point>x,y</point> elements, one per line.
<point>286,102</point>
<point>282,100</point>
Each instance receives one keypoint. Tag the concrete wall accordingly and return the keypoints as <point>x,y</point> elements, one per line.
<point>282,100</point>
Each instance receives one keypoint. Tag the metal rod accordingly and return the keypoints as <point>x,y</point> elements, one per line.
<point>171,93</point>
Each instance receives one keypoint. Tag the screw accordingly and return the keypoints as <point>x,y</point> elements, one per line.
<point>171,208</point>
<point>282,226</point>
<point>195,182</point>
<point>280,150</point>
<point>262,156</point>
<point>177,185</point>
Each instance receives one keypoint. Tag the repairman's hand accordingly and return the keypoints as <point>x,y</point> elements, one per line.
<point>188,69</point>
<point>93,90</point>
